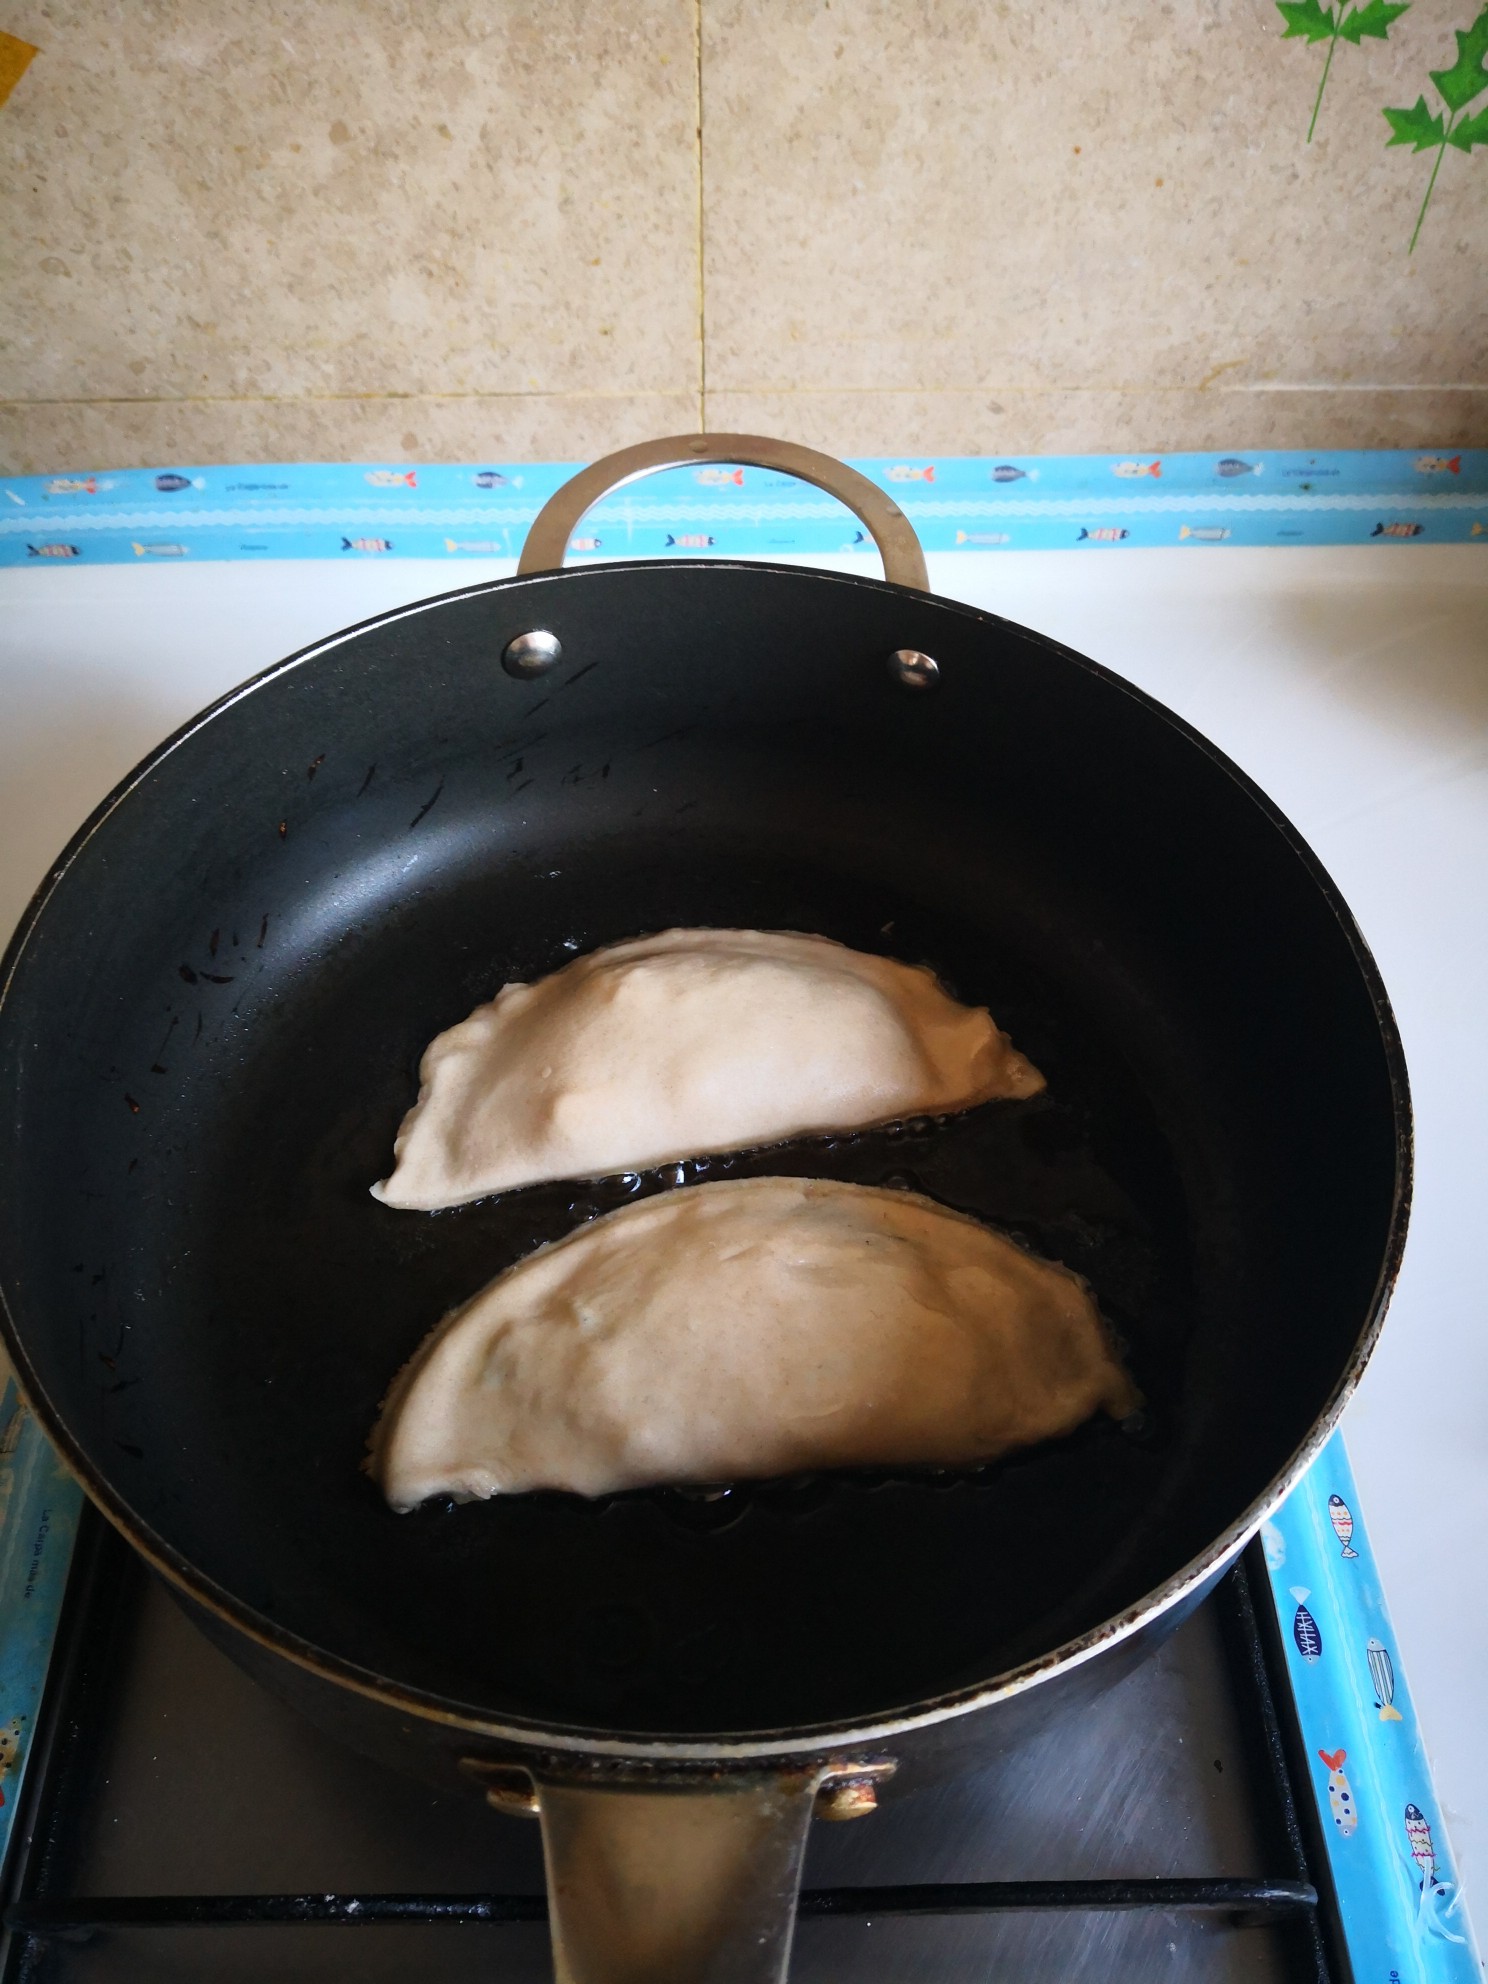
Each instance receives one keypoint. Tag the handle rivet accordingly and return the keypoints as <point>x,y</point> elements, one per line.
<point>913,669</point>
<point>851,1798</point>
<point>534,654</point>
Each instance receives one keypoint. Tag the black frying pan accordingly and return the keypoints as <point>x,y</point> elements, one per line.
<point>210,1022</point>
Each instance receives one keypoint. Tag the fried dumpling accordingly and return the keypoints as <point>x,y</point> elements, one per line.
<point>758,1327</point>
<point>678,1045</point>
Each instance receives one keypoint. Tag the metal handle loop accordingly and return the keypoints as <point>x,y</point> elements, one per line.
<point>881,516</point>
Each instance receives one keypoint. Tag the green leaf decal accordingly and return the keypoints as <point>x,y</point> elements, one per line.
<point>1467,77</point>
<point>1415,127</point>
<point>1305,18</point>
<point>1309,21</point>
<point>1471,131</point>
<point>1374,19</point>
<point>1426,131</point>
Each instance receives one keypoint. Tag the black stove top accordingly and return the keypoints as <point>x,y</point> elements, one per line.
<point>180,1824</point>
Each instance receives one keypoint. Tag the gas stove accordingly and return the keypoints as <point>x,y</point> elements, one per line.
<point>180,1823</point>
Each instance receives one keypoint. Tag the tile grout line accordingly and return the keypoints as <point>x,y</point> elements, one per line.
<point>770,390</point>
<point>702,291</point>
<point>354,399</point>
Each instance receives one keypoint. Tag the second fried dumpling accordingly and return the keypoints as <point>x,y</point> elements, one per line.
<point>763,1326</point>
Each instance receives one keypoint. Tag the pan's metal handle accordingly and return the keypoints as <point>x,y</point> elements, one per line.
<point>673,1876</point>
<point>674,1883</point>
<point>881,516</point>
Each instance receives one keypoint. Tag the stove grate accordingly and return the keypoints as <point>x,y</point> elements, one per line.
<point>39,1911</point>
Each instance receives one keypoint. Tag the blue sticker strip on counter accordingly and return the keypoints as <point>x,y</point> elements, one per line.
<point>39,1507</point>
<point>1387,1845</point>
<point>956,503</point>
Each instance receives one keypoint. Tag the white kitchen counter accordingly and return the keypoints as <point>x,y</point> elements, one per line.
<point>1351,683</point>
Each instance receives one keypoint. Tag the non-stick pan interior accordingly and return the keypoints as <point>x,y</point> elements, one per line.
<point>214,1027</point>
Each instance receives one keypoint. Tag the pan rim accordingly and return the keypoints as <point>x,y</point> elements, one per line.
<point>753,1745</point>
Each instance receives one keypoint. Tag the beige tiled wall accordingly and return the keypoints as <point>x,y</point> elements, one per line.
<point>374,229</point>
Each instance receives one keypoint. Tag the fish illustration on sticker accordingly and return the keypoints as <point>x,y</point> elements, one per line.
<point>1477,530</point>
<point>366,544</point>
<point>10,1750</point>
<point>392,478</point>
<point>1232,465</point>
<point>690,541</point>
<point>160,550</point>
<point>907,472</point>
<point>983,537</point>
<point>1431,1915</point>
<point>1104,534</point>
<point>76,485</point>
<point>1274,1545</point>
<point>585,543</point>
<point>1397,530</point>
<point>1438,464</point>
<point>485,547</point>
<point>1422,1846</point>
<point>53,551</point>
<point>1342,1518</point>
<point>1007,472</point>
<point>1204,533</point>
<point>1340,1797</point>
<point>492,478</point>
<point>1136,468</point>
<point>719,478</point>
<point>1382,1674</point>
<point>1305,1630</point>
<point>171,481</point>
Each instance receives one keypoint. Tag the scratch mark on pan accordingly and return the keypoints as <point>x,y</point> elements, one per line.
<point>198,1034</point>
<point>371,774</point>
<point>212,942</point>
<point>522,787</point>
<point>134,1453</point>
<point>604,771</point>
<point>219,977</point>
<point>668,737</point>
<point>516,768</point>
<point>175,1022</point>
<point>133,1105</point>
<point>187,973</point>
<point>156,1069</point>
<point>579,674</point>
<point>283,828</point>
<point>430,801</point>
<point>263,931</point>
<point>315,766</point>
<point>687,806</point>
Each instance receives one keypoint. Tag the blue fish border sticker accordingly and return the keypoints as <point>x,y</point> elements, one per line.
<point>972,504</point>
<point>1398,1888</point>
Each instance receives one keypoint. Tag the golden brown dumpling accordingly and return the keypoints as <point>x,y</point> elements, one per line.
<point>764,1326</point>
<point>686,1043</point>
